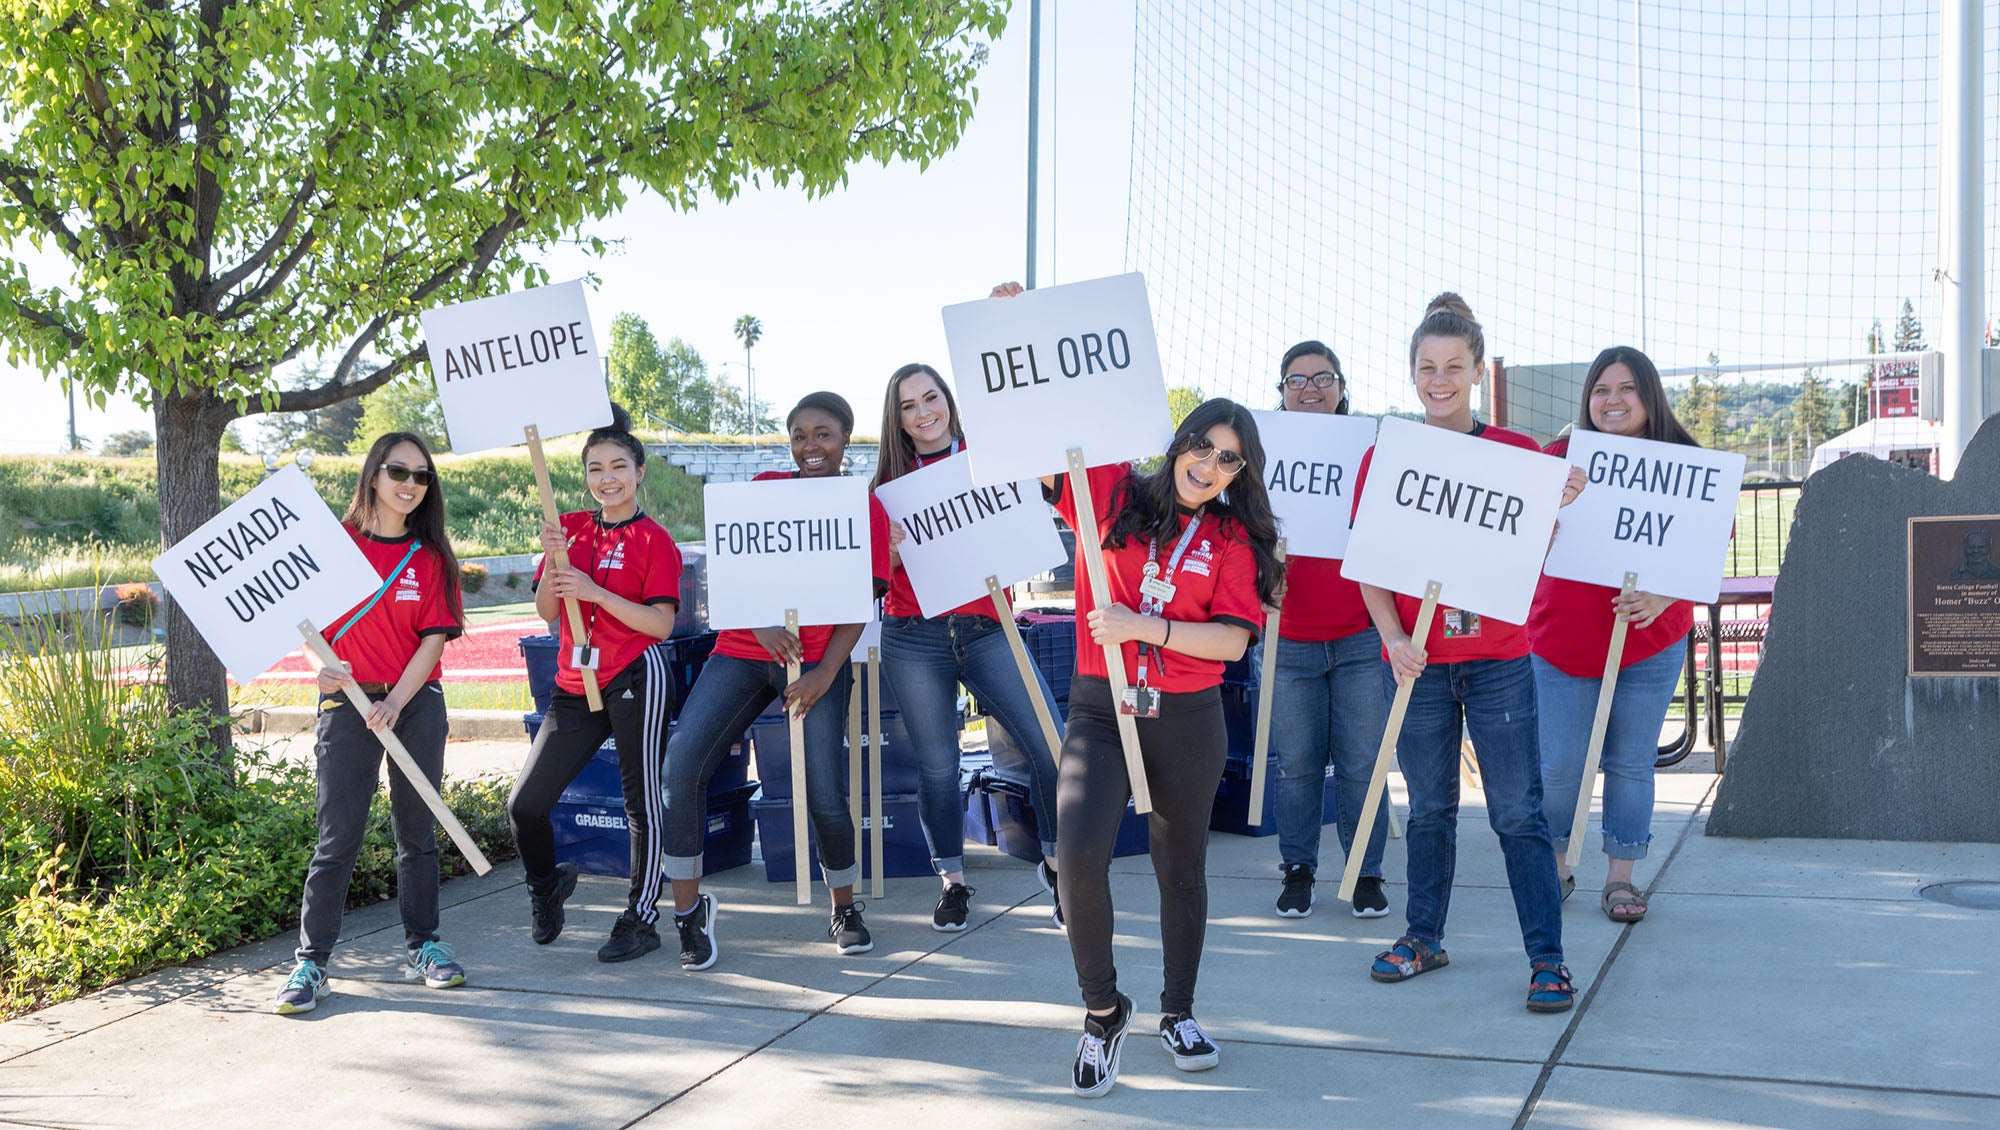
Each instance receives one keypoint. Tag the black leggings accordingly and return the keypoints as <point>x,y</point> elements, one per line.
<point>1183,750</point>
<point>637,702</point>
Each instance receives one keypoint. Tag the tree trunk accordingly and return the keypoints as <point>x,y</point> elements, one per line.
<point>188,448</point>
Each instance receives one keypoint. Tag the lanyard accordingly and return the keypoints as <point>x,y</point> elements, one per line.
<point>1151,604</point>
<point>601,554</point>
<point>386,582</point>
<point>957,446</point>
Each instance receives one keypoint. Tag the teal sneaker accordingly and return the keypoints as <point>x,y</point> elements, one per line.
<point>434,964</point>
<point>303,989</point>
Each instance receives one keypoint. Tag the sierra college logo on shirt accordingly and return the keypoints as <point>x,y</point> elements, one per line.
<point>1198,561</point>
<point>407,587</point>
<point>616,559</point>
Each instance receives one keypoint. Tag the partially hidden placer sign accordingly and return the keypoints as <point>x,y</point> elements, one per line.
<point>1661,510</point>
<point>957,533</point>
<point>251,573</point>
<point>1072,366</point>
<point>503,363</point>
<point>1469,513</point>
<point>783,544</point>
<point>1310,462</point>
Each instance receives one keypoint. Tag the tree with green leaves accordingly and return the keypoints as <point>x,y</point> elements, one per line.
<point>127,444</point>
<point>1909,331</point>
<point>684,371</point>
<point>749,330</point>
<point>633,366</point>
<point>406,405</point>
<point>1812,413</point>
<point>329,430</point>
<point>1699,409</point>
<point>1181,400</point>
<point>226,187</point>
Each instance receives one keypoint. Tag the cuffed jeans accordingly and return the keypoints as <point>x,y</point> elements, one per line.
<point>1495,700</point>
<point>348,766</point>
<point>1567,705</point>
<point>924,660</point>
<point>728,696</point>
<point>1327,705</point>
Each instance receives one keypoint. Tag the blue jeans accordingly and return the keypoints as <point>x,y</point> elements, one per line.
<point>1327,703</point>
<point>1631,746</point>
<point>1495,700</point>
<point>925,660</point>
<point>728,696</point>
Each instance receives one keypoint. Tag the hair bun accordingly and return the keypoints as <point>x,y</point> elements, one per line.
<point>621,420</point>
<point>1450,303</point>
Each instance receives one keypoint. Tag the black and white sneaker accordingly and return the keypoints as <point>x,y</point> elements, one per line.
<point>1097,1052</point>
<point>952,907</point>
<point>1047,875</point>
<point>1191,1048</point>
<point>848,931</point>
<point>697,931</point>
<point>1296,899</point>
<point>1369,901</point>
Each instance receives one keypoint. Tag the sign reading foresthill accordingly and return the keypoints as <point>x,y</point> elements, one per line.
<point>1073,366</point>
<point>1469,513</point>
<point>957,533</point>
<point>1661,510</point>
<point>1310,462</point>
<point>251,573</point>
<point>504,363</point>
<point>789,545</point>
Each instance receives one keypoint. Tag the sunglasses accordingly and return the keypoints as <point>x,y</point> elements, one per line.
<point>1203,449</point>
<point>398,473</point>
<point>1297,381</point>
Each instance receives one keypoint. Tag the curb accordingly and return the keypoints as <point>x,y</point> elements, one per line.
<point>466,725</point>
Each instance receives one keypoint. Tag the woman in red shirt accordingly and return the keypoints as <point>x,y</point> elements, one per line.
<point>1471,675</point>
<point>390,645</point>
<point>625,572</point>
<point>1569,632</point>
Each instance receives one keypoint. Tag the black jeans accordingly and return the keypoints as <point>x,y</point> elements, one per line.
<point>1183,750</point>
<point>637,703</point>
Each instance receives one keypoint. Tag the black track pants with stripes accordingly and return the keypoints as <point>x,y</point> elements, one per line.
<point>637,703</point>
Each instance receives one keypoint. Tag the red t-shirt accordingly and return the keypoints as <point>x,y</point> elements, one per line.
<point>381,643</point>
<point>902,599</point>
<point>1320,604</point>
<point>1216,583</point>
<point>1570,624</point>
<point>741,643</point>
<point>1458,636</point>
<point>636,559</point>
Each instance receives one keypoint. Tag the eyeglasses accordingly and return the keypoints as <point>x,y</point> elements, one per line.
<point>400,474</point>
<point>1203,449</point>
<point>1322,379</point>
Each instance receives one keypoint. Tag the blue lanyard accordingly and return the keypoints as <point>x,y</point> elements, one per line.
<point>1152,606</point>
<point>386,582</point>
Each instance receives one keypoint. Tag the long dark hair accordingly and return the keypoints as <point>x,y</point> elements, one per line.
<point>426,521</point>
<point>1661,423</point>
<point>1146,506</point>
<point>1313,349</point>
<point>898,452</point>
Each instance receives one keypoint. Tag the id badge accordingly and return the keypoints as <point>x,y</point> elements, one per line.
<point>583,658</point>
<point>1460,624</point>
<point>1158,589</point>
<point>1141,702</point>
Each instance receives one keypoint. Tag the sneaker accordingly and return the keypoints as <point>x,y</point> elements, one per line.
<point>697,930</point>
<point>1369,901</point>
<point>950,915</point>
<point>548,908</point>
<point>1097,1052</point>
<point>848,931</point>
<point>303,989</point>
<point>1296,899</point>
<point>434,964</point>
<point>1047,875</point>
<point>1191,1048</point>
<point>630,938</point>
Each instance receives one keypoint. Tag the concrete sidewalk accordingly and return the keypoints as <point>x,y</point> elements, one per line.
<point>1776,983</point>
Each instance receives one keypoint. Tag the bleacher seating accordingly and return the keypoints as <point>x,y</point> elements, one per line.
<point>741,462</point>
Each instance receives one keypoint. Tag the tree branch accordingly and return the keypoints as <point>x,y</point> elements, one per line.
<point>338,389</point>
<point>18,181</point>
<point>39,317</point>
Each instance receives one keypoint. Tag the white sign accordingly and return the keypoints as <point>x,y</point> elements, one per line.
<point>1662,510</point>
<point>1056,368</point>
<point>505,362</point>
<point>1469,513</point>
<point>1310,461</point>
<point>789,544</point>
<point>251,573</point>
<point>958,534</point>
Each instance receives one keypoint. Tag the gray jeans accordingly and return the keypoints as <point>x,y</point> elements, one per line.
<point>349,771</point>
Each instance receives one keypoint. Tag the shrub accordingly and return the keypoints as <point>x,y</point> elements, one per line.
<point>471,577</point>
<point>137,603</point>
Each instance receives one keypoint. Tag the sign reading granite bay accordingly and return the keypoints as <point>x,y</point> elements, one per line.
<point>251,573</point>
<point>958,534</point>
<point>1309,465</point>
<point>527,358</point>
<point>785,544</point>
<point>1661,510</point>
<point>1954,585</point>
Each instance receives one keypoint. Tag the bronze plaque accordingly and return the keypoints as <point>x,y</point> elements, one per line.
<point>1954,583</point>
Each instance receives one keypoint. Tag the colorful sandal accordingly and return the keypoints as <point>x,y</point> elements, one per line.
<point>1549,988</point>
<point>1625,895</point>
<point>1404,960</point>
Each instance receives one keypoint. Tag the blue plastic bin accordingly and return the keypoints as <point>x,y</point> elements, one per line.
<point>902,840</point>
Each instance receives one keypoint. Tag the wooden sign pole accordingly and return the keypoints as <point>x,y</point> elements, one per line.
<point>875,767</point>
<point>1089,541</point>
<point>1261,748</point>
<point>854,753</point>
<point>1005,611</point>
<point>577,633</point>
<point>796,725</point>
<point>1613,662</point>
<point>1378,781</point>
<point>358,699</point>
